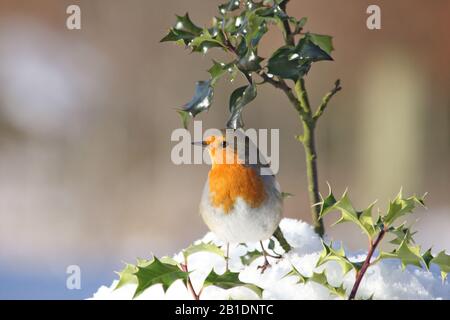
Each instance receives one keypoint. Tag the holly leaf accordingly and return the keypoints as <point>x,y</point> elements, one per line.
<point>253,5</point>
<point>250,62</point>
<point>217,71</point>
<point>202,99</point>
<point>366,220</point>
<point>126,276</point>
<point>363,219</point>
<point>251,28</point>
<point>325,42</point>
<point>402,233</point>
<point>203,247</point>
<point>338,291</point>
<point>298,24</point>
<point>401,206</point>
<point>205,41</point>
<point>158,273</point>
<point>320,278</point>
<point>310,51</point>
<point>229,6</point>
<point>443,261</point>
<point>330,254</point>
<point>278,234</point>
<point>407,254</point>
<point>273,11</point>
<point>238,99</point>
<point>229,280</point>
<point>281,64</point>
<point>294,62</point>
<point>184,115</point>
<point>294,272</point>
<point>271,245</point>
<point>327,204</point>
<point>427,257</point>
<point>220,69</point>
<point>183,31</point>
<point>250,256</point>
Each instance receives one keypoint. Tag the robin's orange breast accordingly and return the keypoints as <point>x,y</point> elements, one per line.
<point>229,181</point>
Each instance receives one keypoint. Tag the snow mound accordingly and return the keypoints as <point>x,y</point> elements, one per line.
<point>385,280</point>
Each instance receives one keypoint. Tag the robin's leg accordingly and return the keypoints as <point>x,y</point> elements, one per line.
<point>266,262</point>
<point>227,257</point>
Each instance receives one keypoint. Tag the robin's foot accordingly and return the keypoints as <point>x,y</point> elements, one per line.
<point>266,262</point>
<point>265,265</point>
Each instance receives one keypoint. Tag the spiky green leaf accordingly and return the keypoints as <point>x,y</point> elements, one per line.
<point>229,280</point>
<point>202,98</point>
<point>323,41</point>
<point>238,100</point>
<point>295,272</point>
<point>127,276</point>
<point>427,258</point>
<point>158,272</point>
<point>184,116</point>
<point>278,234</point>
<point>229,6</point>
<point>338,255</point>
<point>407,254</point>
<point>203,247</point>
<point>327,205</point>
<point>401,206</point>
<point>298,24</point>
<point>363,219</point>
<point>205,41</point>
<point>294,62</point>
<point>401,233</point>
<point>184,30</point>
<point>250,256</point>
<point>320,278</point>
<point>443,261</point>
<point>250,62</point>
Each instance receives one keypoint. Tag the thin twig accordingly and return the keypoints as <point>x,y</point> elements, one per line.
<point>281,84</point>
<point>289,37</point>
<point>360,274</point>
<point>233,50</point>
<point>327,98</point>
<point>302,96</point>
<point>184,268</point>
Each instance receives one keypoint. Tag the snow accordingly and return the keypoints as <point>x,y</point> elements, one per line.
<point>385,280</point>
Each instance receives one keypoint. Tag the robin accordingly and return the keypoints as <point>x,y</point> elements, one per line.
<point>239,204</point>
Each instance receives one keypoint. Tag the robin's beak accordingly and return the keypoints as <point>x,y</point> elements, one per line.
<point>200,143</point>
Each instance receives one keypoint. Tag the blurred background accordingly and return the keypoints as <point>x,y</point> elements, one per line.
<point>86,118</point>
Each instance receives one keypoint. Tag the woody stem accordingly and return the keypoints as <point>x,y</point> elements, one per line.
<point>360,274</point>
<point>308,141</point>
<point>184,268</point>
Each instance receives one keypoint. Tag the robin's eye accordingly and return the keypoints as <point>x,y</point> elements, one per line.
<point>224,144</point>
